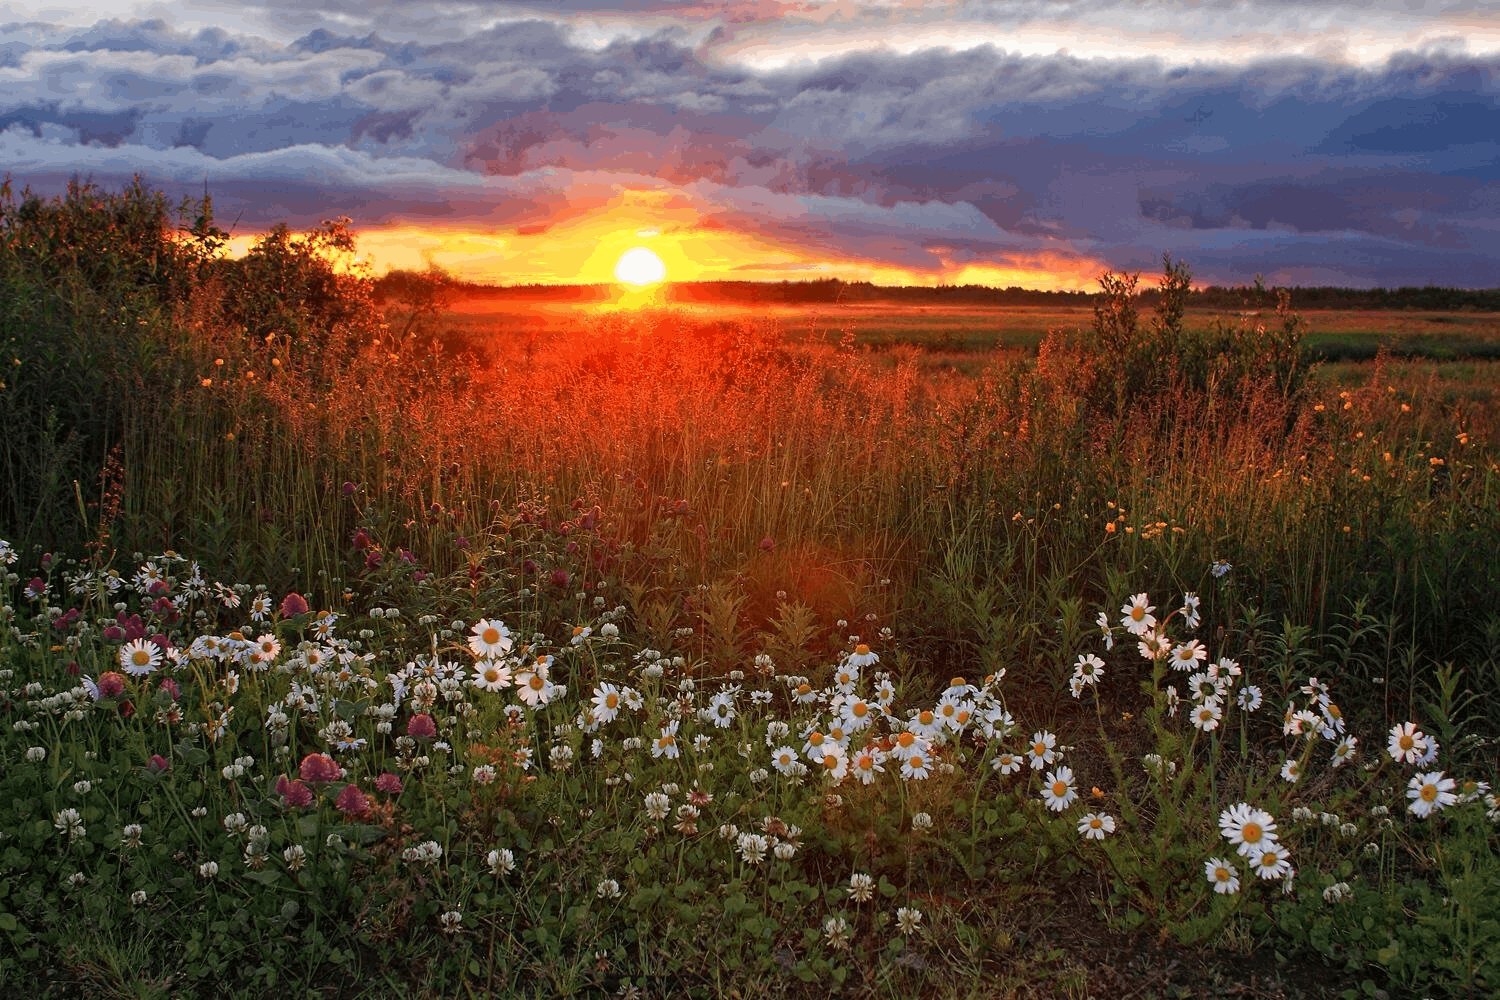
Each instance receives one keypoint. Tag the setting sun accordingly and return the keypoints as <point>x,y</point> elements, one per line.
<point>639,266</point>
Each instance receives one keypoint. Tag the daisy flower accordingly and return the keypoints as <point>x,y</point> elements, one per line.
<point>1089,668</point>
<point>862,656</point>
<point>1138,618</point>
<point>1291,771</point>
<point>665,745</point>
<point>1041,750</point>
<point>1408,744</point>
<point>1251,830</point>
<point>1206,716</point>
<point>866,763</point>
<point>1250,697</point>
<point>489,639</point>
<point>139,657</point>
<point>1190,616</point>
<point>532,684</point>
<point>916,767</point>
<point>856,714</point>
<point>1093,826</point>
<point>1188,655</point>
<point>1222,875</point>
<point>834,763</point>
<point>606,703</point>
<point>784,759</point>
<point>1345,751</point>
<point>1153,645</point>
<point>1106,630</point>
<point>1430,792</point>
<point>1059,792</point>
<point>720,710</point>
<point>1006,763</point>
<point>926,724</point>
<point>1272,862</point>
<point>909,743</point>
<point>491,675</point>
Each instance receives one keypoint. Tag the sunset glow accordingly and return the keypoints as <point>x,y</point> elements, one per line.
<point>922,144</point>
<point>639,266</point>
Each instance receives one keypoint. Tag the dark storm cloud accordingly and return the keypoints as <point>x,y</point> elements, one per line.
<point>1304,167</point>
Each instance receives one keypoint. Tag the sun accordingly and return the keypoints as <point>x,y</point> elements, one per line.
<point>640,267</point>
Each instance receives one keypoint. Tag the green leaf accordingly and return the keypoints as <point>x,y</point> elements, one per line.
<point>264,877</point>
<point>8,922</point>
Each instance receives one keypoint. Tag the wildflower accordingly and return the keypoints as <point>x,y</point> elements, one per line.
<point>1250,829</point>
<point>720,710</point>
<point>209,869</point>
<point>1093,826</point>
<point>236,823</point>
<point>1337,892</point>
<point>665,745</point>
<point>1153,645</point>
<point>1222,875</point>
<point>1430,792</point>
<point>532,684</point>
<point>836,931</point>
<point>1291,771</point>
<point>835,763</point>
<point>607,889</point>
<point>293,604</point>
<point>139,657</point>
<point>1058,793</point>
<point>861,887</point>
<point>1207,715</point>
<point>657,805</point>
<point>1006,763</point>
<point>1138,618</point>
<point>908,919</point>
<point>295,856</point>
<point>319,767</point>
<point>1220,568</point>
<point>296,794</point>
<point>1089,668</point>
<point>111,685</point>
<point>489,639</point>
<point>138,897</point>
<point>866,763</point>
<point>352,801</point>
<point>450,921</point>
<point>1249,698</point>
<point>421,726</point>
<point>491,675</point>
<point>1190,616</point>
<point>1272,862</point>
<point>606,703</point>
<point>1041,751</point>
<point>752,847</point>
<point>785,850</point>
<point>388,783</point>
<point>1188,655</point>
<point>784,759</point>
<point>501,861</point>
<point>132,835</point>
<point>862,656</point>
<point>916,767</point>
<point>69,821</point>
<point>1408,744</point>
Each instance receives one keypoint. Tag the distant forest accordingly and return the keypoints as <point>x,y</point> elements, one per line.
<point>834,290</point>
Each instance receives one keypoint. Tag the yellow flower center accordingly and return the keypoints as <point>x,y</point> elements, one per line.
<point>612,700</point>
<point>831,762</point>
<point>925,718</point>
<point>1039,748</point>
<point>1137,613</point>
<point>860,710</point>
<point>1222,874</point>
<point>861,650</point>
<point>1406,742</point>
<point>1251,833</point>
<point>492,675</point>
<point>491,635</point>
<point>536,683</point>
<point>1429,793</point>
<point>917,763</point>
<point>906,739</point>
<point>1059,789</point>
<point>141,657</point>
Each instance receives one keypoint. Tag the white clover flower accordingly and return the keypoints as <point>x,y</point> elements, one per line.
<point>138,897</point>
<point>908,920</point>
<point>861,887</point>
<point>209,869</point>
<point>501,861</point>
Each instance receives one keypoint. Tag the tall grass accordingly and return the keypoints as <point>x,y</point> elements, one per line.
<point>262,412</point>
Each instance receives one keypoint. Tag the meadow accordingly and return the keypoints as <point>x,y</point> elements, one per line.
<point>666,651</point>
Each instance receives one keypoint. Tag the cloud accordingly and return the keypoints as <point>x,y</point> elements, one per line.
<point>1245,136</point>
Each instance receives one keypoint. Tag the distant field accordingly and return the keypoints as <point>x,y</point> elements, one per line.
<point>964,336</point>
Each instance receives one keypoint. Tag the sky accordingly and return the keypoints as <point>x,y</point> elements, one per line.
<point>1031,142</point>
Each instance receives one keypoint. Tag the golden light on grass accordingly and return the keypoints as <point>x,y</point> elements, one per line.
<point>640,267</point>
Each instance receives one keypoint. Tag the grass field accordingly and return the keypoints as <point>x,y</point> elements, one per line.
<point>653,652</point>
